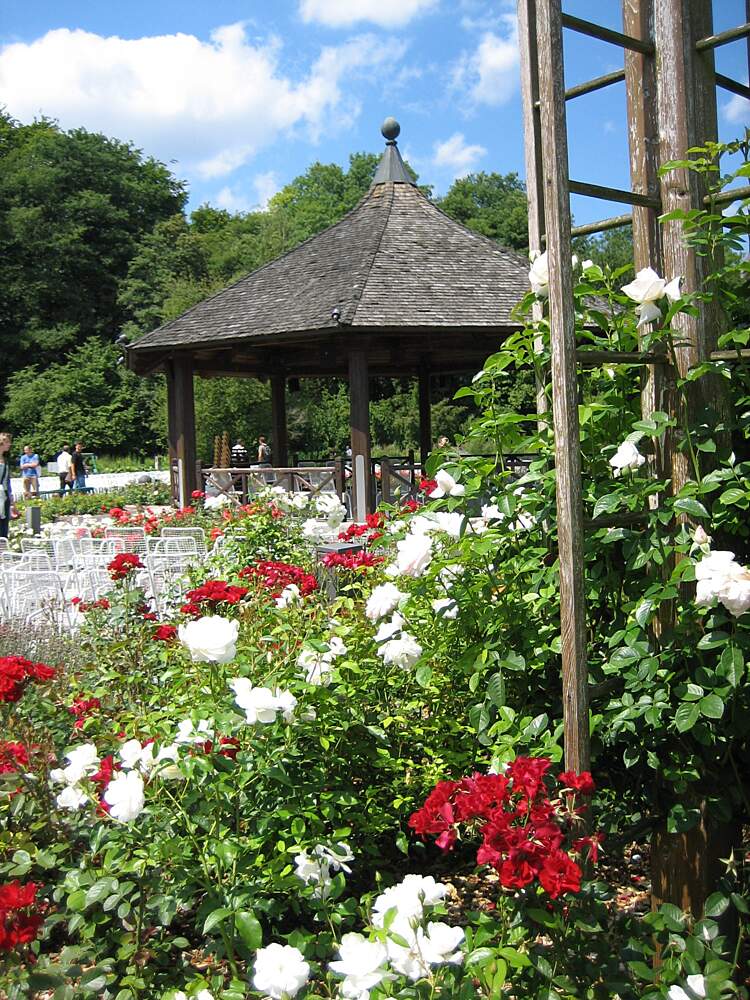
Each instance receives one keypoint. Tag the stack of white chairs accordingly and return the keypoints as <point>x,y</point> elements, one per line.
<point>127,539</point>
<point>169,560</point>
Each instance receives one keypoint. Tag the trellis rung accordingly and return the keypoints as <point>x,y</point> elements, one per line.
<point>722,37</point>
<point>733,86</point>
<point>730,355</point>
<point>607,35</point>
<point>613,194</point>
<point>595,358</point>
<point>615,222</point>
<point>599,83</point>
<point>727,196</point>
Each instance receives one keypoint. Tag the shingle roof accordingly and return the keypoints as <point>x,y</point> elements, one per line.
<point>395,261</point>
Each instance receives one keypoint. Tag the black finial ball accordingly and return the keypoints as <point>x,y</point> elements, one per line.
<point>390,129</point>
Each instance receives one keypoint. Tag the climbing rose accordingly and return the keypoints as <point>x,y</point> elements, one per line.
<point>627,456</point>
<point>446,486</point>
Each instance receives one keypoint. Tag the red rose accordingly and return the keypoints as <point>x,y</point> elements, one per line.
<point>165,633</point>
<point>582,783</point>
<point>123,564</point>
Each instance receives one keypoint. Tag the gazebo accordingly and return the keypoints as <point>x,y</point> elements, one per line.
<point>395,288</point>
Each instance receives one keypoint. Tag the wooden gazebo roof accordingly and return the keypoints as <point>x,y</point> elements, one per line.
<point>395,276</point>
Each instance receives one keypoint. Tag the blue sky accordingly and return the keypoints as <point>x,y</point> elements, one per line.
<point>241,97</point>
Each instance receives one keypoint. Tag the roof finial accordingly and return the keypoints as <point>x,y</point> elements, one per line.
<point>390,130</point>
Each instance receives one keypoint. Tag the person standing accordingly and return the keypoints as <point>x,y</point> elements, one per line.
<point>264,451</point>
<point>64,463</point>
<point>7,509</point>
<point>30,471</point>
<point>79,467</point>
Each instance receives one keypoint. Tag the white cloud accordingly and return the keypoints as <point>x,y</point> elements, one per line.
<point>456,154</point>
<point>344,13</point>
<point>737,110</point>
<point>211,105</point>
<point>489,74</point>
<point>266,185</point>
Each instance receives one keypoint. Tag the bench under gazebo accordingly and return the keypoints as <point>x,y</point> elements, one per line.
<point>395,288</point>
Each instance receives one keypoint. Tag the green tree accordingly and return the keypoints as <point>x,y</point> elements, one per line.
<point>73,207</point>
<point>491,204</point>
<point>90,396</point>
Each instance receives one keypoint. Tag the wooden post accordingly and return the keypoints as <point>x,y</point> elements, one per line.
<point>685,867</point>
<point>532,129</point>
<point>385,480</point>
<point>686,109</point>
<point>181,414</point>
<point>643,142</point>
<point>278,421</point>
<point>359,422</point>
<point>339,477</point>
<point>564,386</point>
<point>425,414</point>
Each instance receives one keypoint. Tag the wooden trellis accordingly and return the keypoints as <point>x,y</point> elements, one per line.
<point>668,112</point>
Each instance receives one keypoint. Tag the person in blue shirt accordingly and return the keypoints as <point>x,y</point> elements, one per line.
<point>30,466</point>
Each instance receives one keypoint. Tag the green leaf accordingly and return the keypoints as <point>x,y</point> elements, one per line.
<point>215,917</point>
<point>496,690</point>
<point>423,675</point>
<point>711,706</point>
<point>687,505</point>
<point>249,929</point>
<point>732,665</point>
<point>686,716</point>
<point>607,504</point>
<point>99,891</point>
<point>716,904</point>
<point>733,495</point>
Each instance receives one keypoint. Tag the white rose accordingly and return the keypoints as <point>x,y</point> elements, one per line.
<point>280,971</point>
<point>446,486</point>
<point>539,275</point>
<point>124,795</point>
<point>363,964</point>
<point>258,703</point>
<point>217,502</point>
<point>71,798</point>
<point>210,639</point>
<point>403,652</point>
<point>414,555</point>
<point>83,761</point>
<point>384,599</point>
<point>627,456</point>
<point>647,286</point>
<point>445,607</point>
<point>289,595</point>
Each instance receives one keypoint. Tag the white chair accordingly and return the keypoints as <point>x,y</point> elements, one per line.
<point>194,532</point>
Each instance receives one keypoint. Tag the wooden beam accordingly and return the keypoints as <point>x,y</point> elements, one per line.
<point>722,37</point>
<point>280,445</point>
<point>181,414</point>
<point>606,34</point>
<point>733,86</point>
<point>425,413</point>
<point>532,130</point>
<point>612,194</point>
<point>564,387</point>
<point>359,422</point>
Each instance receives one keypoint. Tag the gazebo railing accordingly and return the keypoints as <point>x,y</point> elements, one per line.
<point>247,482</point>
